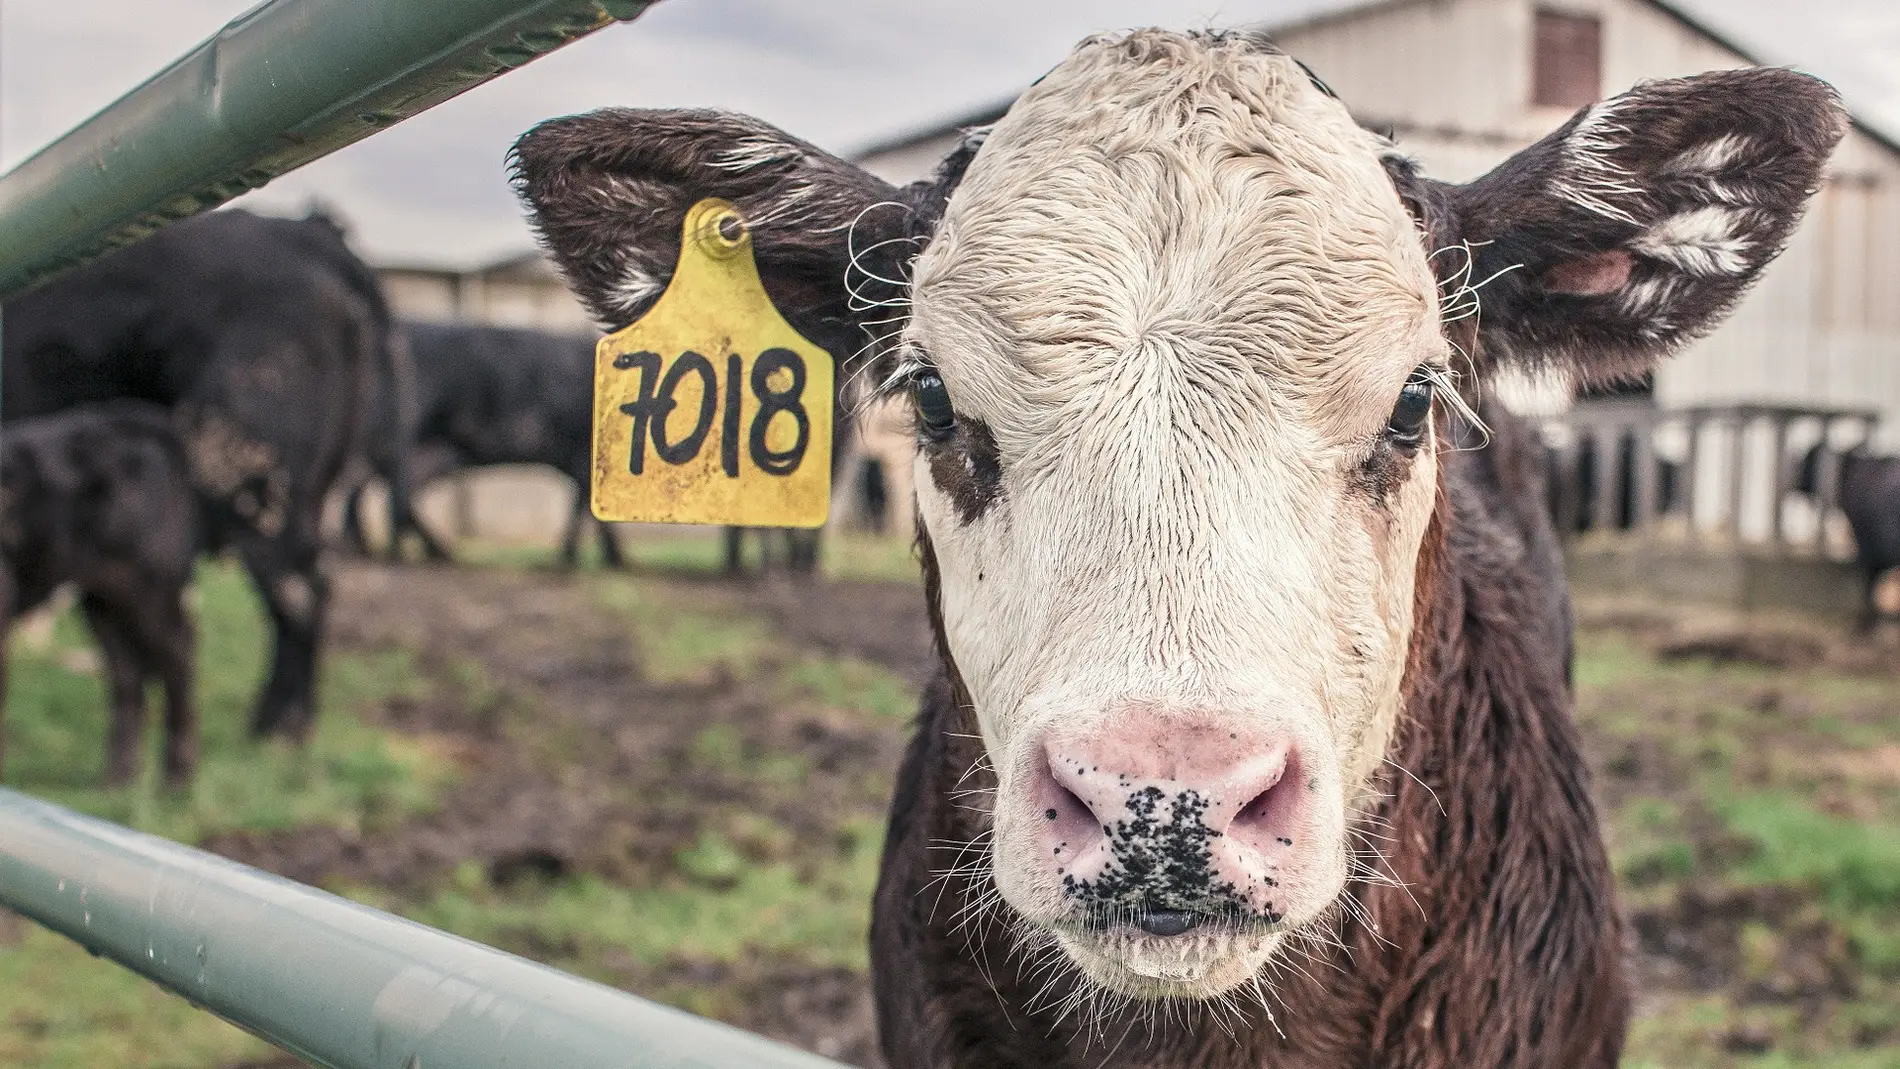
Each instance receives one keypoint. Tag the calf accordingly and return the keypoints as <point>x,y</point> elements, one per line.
<point>1867,489</point>
<point>100,497</point>
<point>469,396</point>
<point>262,336</point>
<point>1250,742</point>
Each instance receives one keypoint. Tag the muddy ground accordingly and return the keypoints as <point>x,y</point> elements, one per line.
<point>601,790</point>
<point>577,760</point>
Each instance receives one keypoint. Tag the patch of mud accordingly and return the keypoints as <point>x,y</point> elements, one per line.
<point>1769,649</point>
<point>1770,640</point>
<point>827,1011</point>
<point>572,763</point>
<point>12,928</point>
<point>1764,945</point>
<point>884,623</point>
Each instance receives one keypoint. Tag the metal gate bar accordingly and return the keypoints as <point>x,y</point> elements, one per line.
<point>338,984</point>
<point>281,85</point>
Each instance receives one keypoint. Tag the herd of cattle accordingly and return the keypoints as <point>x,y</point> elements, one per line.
<point>1216,608</point>
<point>206,389</point>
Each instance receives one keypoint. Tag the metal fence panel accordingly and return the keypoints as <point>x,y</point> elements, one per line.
<point>281,85</point>
<point>339,984</point>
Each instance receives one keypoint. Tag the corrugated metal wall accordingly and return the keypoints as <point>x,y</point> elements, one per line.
<point>1452,77</point>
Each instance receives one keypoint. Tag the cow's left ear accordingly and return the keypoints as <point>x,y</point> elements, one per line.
<point>1636,226</point>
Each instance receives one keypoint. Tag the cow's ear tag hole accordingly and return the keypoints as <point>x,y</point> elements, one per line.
<point>711,408</point>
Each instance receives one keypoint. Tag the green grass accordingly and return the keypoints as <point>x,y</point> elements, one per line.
<point>1721,780</point>
<point>682,635</point>
<point>850,684</point>
<point>352,775</point>
<point>844,554</point>
<point>719,907</point>
<point>60,1008</point>
<point>743,889</point>
<point>1751,788</point>
<point>1850,865</point>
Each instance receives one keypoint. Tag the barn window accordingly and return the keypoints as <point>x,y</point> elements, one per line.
<point>1567,60</point>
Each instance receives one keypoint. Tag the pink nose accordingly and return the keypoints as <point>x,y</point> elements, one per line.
<point>1172,819</point>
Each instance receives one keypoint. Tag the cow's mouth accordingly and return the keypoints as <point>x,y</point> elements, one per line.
<point>1174,922</point>
<point>1169,954</point>
<point>1167,923</point>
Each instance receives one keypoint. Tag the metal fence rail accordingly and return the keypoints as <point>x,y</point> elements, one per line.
<point>281,85</point>
<point>338,984</point>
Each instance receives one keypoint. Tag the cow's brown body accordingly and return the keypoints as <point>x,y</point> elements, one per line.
<point>1504,948</point>
<point>1251,739</point>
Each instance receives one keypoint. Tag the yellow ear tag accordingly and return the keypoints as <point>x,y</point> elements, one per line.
<point>711,408</point>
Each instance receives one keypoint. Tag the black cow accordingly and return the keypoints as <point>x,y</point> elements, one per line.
<point>467,396</point>
<point>1868,492</point>
<point>99,496</point>
<point>262,336</point>
<point>1571,486</point>
<point>793,550</point>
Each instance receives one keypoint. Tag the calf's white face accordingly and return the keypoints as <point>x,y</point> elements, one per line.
<point>1173,338</point>
<point>1173,304</point>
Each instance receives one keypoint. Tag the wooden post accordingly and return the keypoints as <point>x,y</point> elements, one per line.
<point>463,501</point>
<point>1644,475</point>
<point>1692,473</point>
<point>1733,517</point>
<point>1603,446</point>
<point>1778,483</point>
<point>1827,479</point>
<point>1569,489</point>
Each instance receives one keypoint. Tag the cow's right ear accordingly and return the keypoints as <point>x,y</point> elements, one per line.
<point>608,194</point>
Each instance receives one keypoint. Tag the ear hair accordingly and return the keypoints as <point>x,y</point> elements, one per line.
<point>608,191</point>
<point>1635,227</point>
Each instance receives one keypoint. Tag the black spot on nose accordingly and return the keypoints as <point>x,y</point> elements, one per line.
<point>1166,922</point>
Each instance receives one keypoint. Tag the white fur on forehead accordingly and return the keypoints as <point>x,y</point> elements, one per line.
<point>1199,191</point>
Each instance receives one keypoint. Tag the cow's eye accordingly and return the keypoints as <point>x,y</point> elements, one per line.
<point>934,413</point>
<point>1406,428</point>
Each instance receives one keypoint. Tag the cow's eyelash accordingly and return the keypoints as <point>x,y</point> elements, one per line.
<point>1444,380</point>
<point>911,364</point>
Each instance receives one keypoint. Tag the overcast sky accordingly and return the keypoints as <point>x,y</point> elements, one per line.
<point>842,73</point>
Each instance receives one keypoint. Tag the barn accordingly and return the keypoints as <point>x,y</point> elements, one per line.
<point>1461,84</point>
<point>1813,350</point>
<point>523,290</point>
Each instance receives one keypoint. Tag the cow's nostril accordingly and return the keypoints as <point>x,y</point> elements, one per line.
<point>1271,812</point>
<point>1166,922</point>
<point>1065,807</point>
<point>1067,823</point>
<point>1255,810</point>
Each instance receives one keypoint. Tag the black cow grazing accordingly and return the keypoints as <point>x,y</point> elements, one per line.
<point>790,550</point>
<point>100,497</point>
<point>1572,486</point>
<point>874,496</point>
<point>1249,742</point>
<point>477,395</point>
<point>262,335</point>
<point>1867,489</point>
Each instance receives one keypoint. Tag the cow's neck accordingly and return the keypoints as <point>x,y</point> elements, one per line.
<point>1485,818</point>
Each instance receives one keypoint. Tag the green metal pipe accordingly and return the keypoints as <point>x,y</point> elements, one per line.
<point>281,85</point>
<point>338,984</point>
